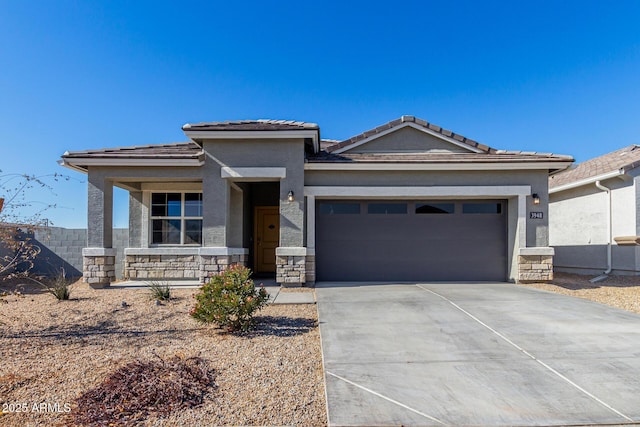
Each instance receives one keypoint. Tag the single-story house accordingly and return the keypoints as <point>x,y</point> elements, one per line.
<point>594,218</point>
<point>405,201</point>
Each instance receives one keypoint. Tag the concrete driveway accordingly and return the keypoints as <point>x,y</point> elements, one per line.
<point>475,354</point>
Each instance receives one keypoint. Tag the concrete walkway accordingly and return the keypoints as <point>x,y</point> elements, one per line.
<point>274,291</point>
<point>475,354</point>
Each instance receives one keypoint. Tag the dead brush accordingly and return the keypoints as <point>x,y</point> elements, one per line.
<point>140,388</point>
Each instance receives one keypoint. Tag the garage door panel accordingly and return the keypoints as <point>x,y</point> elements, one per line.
<point>443,246</point>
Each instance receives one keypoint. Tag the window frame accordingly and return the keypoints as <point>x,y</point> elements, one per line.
<point>182,218</point>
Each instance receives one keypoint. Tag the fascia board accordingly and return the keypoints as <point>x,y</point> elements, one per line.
<point>414,126</point>
<point>436,166</point>
<point>253,134</point>
<point>77,161</point>
<point>71,166</point>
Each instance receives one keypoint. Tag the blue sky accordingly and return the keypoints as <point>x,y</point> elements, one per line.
<point>552,76</point>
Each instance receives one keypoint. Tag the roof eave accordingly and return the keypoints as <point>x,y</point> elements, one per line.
<point>64,163</point>
<point>459,166</point>
<point>81,164</point>
<point>587,181</point>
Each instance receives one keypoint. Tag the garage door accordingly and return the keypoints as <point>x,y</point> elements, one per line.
<point>410,240</point>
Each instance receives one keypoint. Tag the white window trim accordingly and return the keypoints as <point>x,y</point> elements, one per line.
<point>182,219</point>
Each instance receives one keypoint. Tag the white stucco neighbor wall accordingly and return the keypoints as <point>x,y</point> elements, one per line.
<point>578,228</point>
<point>578,217</point>
<point>624,211</point>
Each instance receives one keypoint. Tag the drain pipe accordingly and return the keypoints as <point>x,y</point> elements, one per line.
<point>609,233</point>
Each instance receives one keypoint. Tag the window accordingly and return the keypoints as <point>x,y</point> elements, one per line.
<point>176,218</point>
<point>435,208</point>
<point>387,208</point>
<point>482,208</point>
<point>328,208</point>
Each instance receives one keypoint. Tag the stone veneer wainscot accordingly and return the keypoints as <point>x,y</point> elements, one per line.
<point>180,263</point>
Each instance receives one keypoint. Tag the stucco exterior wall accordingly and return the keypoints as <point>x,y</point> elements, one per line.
<point>288,154</point>
<point>579,227</point>
<point>408,140</point>
<point>537,229</point>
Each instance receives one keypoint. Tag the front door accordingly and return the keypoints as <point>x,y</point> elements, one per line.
<point>267,237</point>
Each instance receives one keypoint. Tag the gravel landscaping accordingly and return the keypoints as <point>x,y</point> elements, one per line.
<point>52,352</point>
<point>617,291</point>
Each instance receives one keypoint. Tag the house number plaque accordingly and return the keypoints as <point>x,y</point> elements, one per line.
<point>536,215</point>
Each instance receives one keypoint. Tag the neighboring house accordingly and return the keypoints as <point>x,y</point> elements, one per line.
<point>405,201</point>
<point>594,215</point>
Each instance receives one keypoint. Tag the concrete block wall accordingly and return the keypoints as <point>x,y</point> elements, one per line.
<point>62,248</point>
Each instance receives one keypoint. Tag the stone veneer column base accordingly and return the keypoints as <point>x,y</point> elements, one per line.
<point>98,266</point>
<point>210,265</point>
<point>295,266</point>
<point>535,265</point>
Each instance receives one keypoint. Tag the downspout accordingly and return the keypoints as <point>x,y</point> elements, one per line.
<point>609,232</point>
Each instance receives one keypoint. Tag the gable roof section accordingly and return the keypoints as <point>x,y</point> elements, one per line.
<point>606,166</point>
<point>416,123</point>
<point>477,156</point>
<point>174,154</point>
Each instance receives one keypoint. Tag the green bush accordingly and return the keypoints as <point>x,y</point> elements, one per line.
<point>229,300</point>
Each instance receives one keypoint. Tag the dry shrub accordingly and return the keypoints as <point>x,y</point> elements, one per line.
<point>137,390</point>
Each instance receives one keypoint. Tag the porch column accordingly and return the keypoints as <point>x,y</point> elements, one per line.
<point>99,258</point>
<point>215,208</point>
<point>291,255</point>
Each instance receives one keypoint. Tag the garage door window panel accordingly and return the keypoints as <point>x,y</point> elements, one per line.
<point>430,208</point>
<point>327,208</point>
<point>387,208</point>
<point>482,208</point>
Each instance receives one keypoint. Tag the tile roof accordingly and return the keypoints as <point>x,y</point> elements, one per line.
<point>497,156</point>
<point>252,125</point>
<point>177,150</point>
<point>625,158</point>
<point>419,122</point>
<point>191,150</point>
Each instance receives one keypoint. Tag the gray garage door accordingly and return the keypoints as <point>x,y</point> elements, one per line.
<point>411,240</point>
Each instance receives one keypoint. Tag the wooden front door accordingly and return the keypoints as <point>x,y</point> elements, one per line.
<point>267,237</point>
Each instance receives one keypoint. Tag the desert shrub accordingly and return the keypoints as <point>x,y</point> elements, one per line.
<point>59,287</point>
<point>133,392</point>
<point>159,291</point>
<point>229,300</point>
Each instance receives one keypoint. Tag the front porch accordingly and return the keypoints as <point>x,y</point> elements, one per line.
<point>191,230</point>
